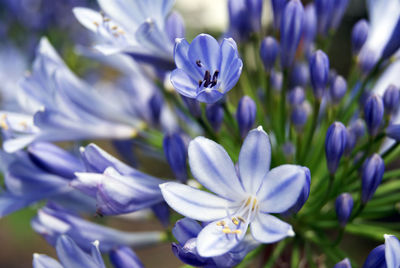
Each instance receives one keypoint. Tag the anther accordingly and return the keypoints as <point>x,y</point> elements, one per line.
<point>207,79</point>
<point>198,63</point>
<point>235,221</point>
<point>241,219</point>
<point>221,223</point>
<point>227,230</point>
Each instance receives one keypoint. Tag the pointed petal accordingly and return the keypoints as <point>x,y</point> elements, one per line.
<point>213,241</point>
<point>87,17</point>
<point>233,76</point>
<point>183,83</point>
<point>124,257</point>
<point>254,159</point>
<point>228,59</point>
<point>205,49</point>
<point>96,255</point>
<point>71,256</point>
<point>182,60</point>
<point>269,229</point>
<point>44,261</point>
<point>194,203</point>
<point>212,167</point>
<point>209,96</point>
<point>392,251</point>
<point>185,229</point>
<point>281,187</point>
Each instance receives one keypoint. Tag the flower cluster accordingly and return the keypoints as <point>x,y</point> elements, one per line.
<point>274,155</point>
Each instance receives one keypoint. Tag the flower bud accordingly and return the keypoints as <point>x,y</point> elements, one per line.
<point>277,7</point>
<point>391,99</point>
<point>269,51</point>
<point>296,96</point>
<point>376,258</point>
<point>215,115</point>
<point>344,206</point>
<point>393,44</point>
<point>339,8</point>
<point>156,104</point>
<point>366,60</point>
<point>276,80</point>
<point>338,89</point>
<point>244,17</point>
<point>359,36</point>
<point>300,115</point>
<point>53,159</point>
<point>193,105</point>
<point>291,30</point>
<point>393,131</point>
<point>324,9</point>
<point>309,25</point>
<point>246,115</point>
<point>335,144</point>
<point>300,75</point>
<point>319,72</point>
<point>343,264</point>
<point>175,26</point>
<point>372,173</point>
<point>124,257</point>
<point>176,154</point>
<point>373,112</point>
<point>354,132</point>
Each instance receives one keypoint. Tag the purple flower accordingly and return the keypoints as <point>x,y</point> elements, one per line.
<point>240,201</point>
<point>206,70</point>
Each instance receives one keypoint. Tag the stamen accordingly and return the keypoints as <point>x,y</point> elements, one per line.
<point>198,63</point>
<point>207,79</point>
<point>241,219</point>
<point>221,223</point>
<point>227,230</point>
<point>3,122</point>
<point>235,221</point>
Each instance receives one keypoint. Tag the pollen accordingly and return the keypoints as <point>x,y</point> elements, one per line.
<point>235,221</point>
<point>227,230</point>
<point>221,223</point>
<point>3,123</point>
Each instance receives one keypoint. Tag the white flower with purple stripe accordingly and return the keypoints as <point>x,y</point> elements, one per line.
<point>241,200</point>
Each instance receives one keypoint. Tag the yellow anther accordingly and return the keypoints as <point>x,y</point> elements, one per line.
<point>114,27</point>
<point>121,32</point>
<point>235,221</point>
<point>236,232</point>
<point>106,19</point>
<point>226,230</point>
<point>221,223</point>
<point>241,219</point>
<point>96,23</point>
<point>24,124</point>
<point>3,123</point>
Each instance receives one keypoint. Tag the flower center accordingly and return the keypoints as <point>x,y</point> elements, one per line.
<point>208,81</point>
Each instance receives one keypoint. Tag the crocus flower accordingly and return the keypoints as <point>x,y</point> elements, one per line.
<point>70,256</point>
<point>240,201</point>
<point>206,70</point>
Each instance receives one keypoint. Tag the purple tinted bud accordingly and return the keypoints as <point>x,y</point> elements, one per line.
<point>366,60</point>
<point>301,200</point>
<point>176,154</point>
<point>246,115</point>
<point>276,80</point>
<point>324,9</point>
<point>393,131</point>
<point>193,105</point>
<point>309,25</point>
<point>296,96</point>
<point>300,114</point>
<point>376,258</point>
<point>339,8</point>
<point>359,35</point>
<point>175,26</point>
<point>156,105</point>
<point>338,89</point>
<point>278,7</point>
<point>358,127</point>
<point>244,17</point>
<point>344,206</point>
<point>268,52</point>
<point>343,264</point>
<point>373,112</point>
<point>291,30</point>
<point>350,141</point>
<point>391,99</point>
<point>124,257</point>
<point>319,73</point>
<point>393,44</point>
<point>215,115</point>
<point>53,159</point>
<point>354,132</point>
<point>299,75</point>
<point>335,144</point>
<point>372,173</point>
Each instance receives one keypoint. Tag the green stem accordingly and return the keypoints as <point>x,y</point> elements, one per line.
<point>276,253</point>
<point>317,105</point>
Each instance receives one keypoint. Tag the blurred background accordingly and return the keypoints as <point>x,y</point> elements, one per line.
<point>23,22</point>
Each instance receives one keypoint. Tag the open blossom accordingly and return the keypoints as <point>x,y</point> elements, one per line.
<point>241,200</point>
<point>206,70</point>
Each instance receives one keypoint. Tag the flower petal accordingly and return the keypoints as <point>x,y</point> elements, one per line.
<point>183,83</point>
<point>392,251</point>
<point>228,60</point>
<point>269,229</point>
<point>185,229</point>
<point>254,159</point>
<point>182,60</point>
<point>193,203</point>
<point>212,167</point>
<point>213,241</point>
<point>209,96</point>
<point>205,49</point>
<point>71,255</point>
<point>44,261</point>
<point>281,187</point>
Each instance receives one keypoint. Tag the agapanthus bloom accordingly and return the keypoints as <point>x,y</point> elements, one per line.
<point>242,200</point>
<point>206,70</point>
